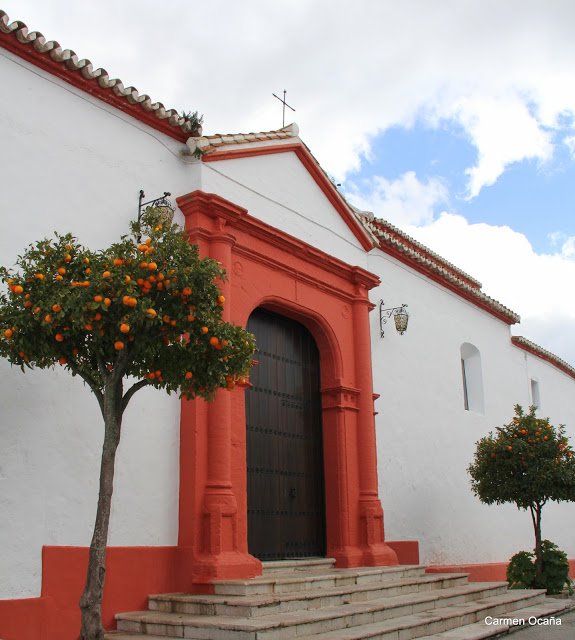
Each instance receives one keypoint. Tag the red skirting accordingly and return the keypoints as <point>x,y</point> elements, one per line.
<point>488,572</point>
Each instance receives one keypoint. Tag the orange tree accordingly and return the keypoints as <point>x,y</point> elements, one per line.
<point>527,462</point>
<point>146,311</point>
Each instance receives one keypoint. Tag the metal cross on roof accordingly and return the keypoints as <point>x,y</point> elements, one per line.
<point>285,104</point>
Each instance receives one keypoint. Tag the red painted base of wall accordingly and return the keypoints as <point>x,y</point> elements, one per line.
<point>407,551</point>
<point>133,573</point>
<point>489,572</point>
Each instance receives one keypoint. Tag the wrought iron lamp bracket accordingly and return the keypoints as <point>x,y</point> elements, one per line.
<point>385,314</point>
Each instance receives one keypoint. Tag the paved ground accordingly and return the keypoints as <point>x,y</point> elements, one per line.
<point>564,631</point>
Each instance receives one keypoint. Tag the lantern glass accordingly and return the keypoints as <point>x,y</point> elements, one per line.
<point>401,319</point>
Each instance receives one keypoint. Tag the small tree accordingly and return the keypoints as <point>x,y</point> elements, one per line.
<point>145,313</point>
<point>527,462</point>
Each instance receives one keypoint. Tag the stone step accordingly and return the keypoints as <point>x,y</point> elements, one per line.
<point>514,620</point>
<point>260,605</point>
<point>433,622</point>
<point>311,580</point>
<point>274,567</point>
<point>330,619</point>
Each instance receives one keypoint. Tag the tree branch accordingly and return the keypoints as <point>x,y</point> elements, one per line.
<point>90,382</point>
<point>131,391</point>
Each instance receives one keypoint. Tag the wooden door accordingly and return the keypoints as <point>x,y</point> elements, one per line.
<point>286,512</point>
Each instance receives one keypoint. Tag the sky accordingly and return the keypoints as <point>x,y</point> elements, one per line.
<point>452,119</point>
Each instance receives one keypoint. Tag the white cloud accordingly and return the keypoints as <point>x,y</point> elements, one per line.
<point>537,286</point>
<point>402,201</point>
<point>504,131</point>
<point>501,70</point>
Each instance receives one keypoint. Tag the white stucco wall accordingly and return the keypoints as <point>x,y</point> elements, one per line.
<point>426,439</point>
<point>71,163</point>
<point>278,189</point>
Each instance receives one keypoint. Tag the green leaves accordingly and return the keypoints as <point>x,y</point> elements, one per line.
<point>527,462</point>
<point>147,309</point>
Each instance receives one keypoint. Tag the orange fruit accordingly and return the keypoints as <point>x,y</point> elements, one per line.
<point>152,266</point>
<point>126,300</point>
<point>151,375</point>
<point>132,302</point>
<point>58,277</point>
<point>88,326</point>
<point>143,265</point>
<point>142,247</point>
<point>160,286</point>
<point>187,291</point>
<point>221,300</point>
<point>39,276</point>
<point>17,289</point>
<point>151,313</point>
<point>98,298</point>
<point>86,260</point>
<point>61,270</point>
<point>214,341</point>
<point>37,310</point>
<point>204,329</point>
<point>8,333</point>
<point>67,258</point>
<point>148,241</point>
<point>118,262</point>
<point>124,327</point>
<point>27,304</point>
<point>107,302</point>
<point>62,360</point>
<point>127,279</point>
<point>56,308</point>
<point>189,375</point>
<point>97,316</point>
<point>118,345</point>
<point>106,274</point>
<point>59,337</point>
<point>190,318</point>
<point>48,318</point>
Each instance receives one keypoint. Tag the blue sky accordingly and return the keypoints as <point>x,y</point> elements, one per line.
<point>454,120</point>
<point>534,198</point>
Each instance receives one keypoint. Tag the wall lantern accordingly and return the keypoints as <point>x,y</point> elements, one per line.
<point>400,317</point>
<point>162,203</point>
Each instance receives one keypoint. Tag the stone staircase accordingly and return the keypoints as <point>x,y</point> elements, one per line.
<point>311,600</point>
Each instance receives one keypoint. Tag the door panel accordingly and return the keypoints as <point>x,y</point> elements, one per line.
<point>286,512</point>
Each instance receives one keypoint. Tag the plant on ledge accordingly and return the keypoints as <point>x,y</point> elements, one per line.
<point>527,462</point>
<point>141,313</point>
<point>554,576</point>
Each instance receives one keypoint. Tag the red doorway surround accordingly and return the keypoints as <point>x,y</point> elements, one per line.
<point>268,268</point>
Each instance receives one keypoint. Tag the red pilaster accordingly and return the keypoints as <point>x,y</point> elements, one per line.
<point>375,551</point>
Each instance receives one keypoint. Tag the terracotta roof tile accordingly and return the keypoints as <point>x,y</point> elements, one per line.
<point>405,248</point>
<point>48,54</point>
<point>211,143</point>
<point>542,353</point>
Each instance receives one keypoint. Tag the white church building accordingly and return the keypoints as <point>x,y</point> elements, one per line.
<point>395,417</point>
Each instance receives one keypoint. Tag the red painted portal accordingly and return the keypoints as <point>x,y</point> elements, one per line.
<point>267,268</point>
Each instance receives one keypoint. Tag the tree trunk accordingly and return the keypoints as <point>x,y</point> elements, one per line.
<point>536,517</point>
<point>91,600</point>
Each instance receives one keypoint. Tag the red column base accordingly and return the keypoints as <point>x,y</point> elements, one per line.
<point>198,571</point>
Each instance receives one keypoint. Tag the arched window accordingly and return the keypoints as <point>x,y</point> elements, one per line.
<point>472,378</point>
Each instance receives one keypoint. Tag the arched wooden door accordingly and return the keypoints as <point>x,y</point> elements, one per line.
<point>286,510</point>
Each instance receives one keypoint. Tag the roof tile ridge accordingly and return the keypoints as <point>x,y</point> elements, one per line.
<point>210,142</point>
<point>70,60</point>
<point>439,269</point>
<point>418,246</point>
<point>537,349</point>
